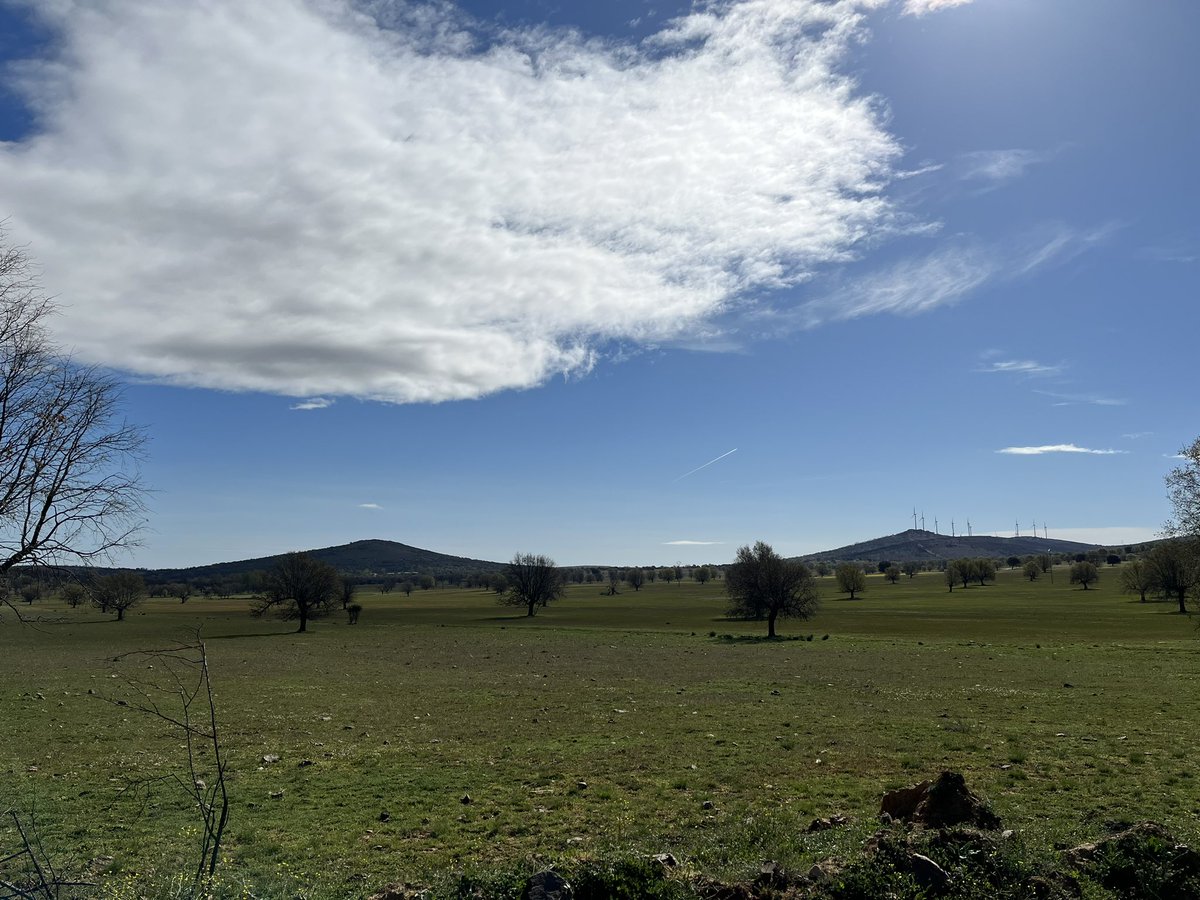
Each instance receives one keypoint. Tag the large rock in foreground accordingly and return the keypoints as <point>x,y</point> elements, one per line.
<point>942,803</point>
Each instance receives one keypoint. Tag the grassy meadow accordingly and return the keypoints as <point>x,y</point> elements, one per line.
<point>644,722</point>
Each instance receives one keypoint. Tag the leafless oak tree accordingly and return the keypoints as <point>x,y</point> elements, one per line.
<point>533,581</point>
<point>300,587</point>
<point>70,488</point>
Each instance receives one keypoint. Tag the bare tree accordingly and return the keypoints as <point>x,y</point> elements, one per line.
<point>70,487</point>
<point>300,587</point>
<point>614,582</point>
<point>346,592</point>
<point>1176,568</point>
<point>762,584</point>
<point>1138,577</point>
<point>118,592</point>
<point>636,578</point>
<point>533,581</point>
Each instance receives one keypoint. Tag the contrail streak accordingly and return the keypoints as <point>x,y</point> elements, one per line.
<point>705,466</point>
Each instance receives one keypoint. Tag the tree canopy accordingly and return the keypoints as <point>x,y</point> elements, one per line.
<point>533,581</point>
<point>300,587</point>
<point>762,584</point>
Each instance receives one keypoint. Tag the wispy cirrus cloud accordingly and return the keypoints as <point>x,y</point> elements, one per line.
<point>369,506</point>
<point>1064,399</point>
<point>408,205</point>
<point>924,7</point>
<point>691,543</point>
<point>1058,448</point>
<point>997,166</point>
<point>313,403</point>
<point>944,276</point>
<point>1020,367</point>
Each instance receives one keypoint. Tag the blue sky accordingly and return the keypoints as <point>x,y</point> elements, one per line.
<point>504,276</point>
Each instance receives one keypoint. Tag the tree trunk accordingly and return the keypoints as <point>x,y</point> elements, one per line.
<point>1182,603</point>
<point>121,612</point>
<point>771,624</point>
<point>303,620</point>
<point>532,609</point>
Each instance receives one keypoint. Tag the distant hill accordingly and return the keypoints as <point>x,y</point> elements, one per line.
<point>361,558</point>
<point>917,544</point>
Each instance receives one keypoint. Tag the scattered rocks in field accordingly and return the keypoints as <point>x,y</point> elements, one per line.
<point>269,758</point>
<point>826,823</point>
<point>582,785</point>
<point>548,885</point>
<point>276,795</point>
<point>825,871</point>
<point>943,802</point>
<point>771,875</point>
<point>927,873</point>
<point>466,800</point>
<point>400,892</point>
<point>666,860</point>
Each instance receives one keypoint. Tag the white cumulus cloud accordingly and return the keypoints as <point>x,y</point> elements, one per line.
<point>387,201</point>
<point>1057,448</point>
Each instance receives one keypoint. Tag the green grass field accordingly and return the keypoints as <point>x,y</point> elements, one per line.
<point>602,726</point>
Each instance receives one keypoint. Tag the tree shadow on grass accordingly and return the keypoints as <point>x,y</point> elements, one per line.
<point>249,634</point>
<point>761,638</point>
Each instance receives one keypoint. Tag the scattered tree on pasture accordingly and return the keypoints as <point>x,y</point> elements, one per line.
<point>1084,573</point>
<point>910,568</point>
<point>1138,577</point>
<point>499,583</point>
<point>388,585</point>
<point>702,574</point>
<point>651,574</point>
<point>534,580</point>
<point>1032,570</point>
<point>31,591</point>
<point>69,482</point>
<point>614,582</point>
<point>407,588</point>
<point>180,590</point>
<point>636,578</point>
<point>353,611</point>
<point>1112,559</point>
<point>72,594</point>
<point>1045,562</point>
<point>1176,568</point>
<point>892,573</point>
<point>850,579</point>
<point>1013,561</point>
<point>667,573</point>
<point>883,565</point>
<point>118,592</point>
<point>426,582</point>
<point>984,570</point>
<point>951,575</point>
<point>346,591</point>
<point>299,587</point>
<point>762,584</point>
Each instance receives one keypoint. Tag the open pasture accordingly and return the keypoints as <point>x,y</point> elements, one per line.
<point>603,725</point>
